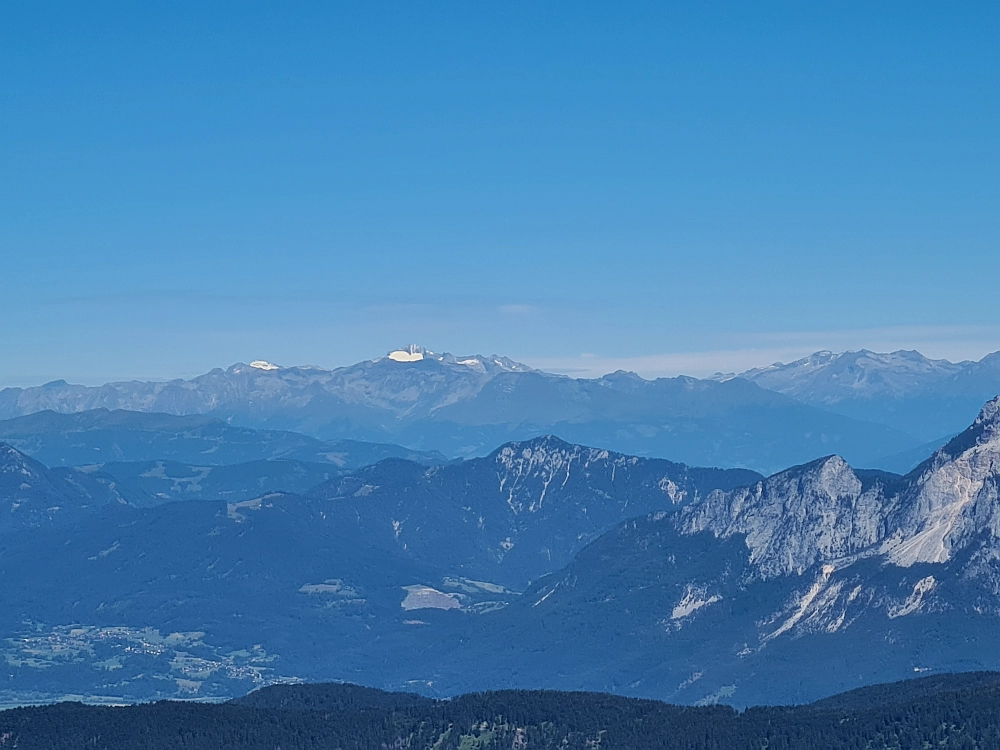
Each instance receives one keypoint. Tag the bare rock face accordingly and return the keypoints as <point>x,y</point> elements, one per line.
<point>846,544</point>
<point>798,518</point>
<point>528,470</point>
<point>953,500</point>
<point>824,512</point>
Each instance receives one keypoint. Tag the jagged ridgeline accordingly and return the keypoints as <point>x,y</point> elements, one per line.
<point>954,711</point>
<point>544,564</point>
<point>810,581</point>
<point>468,405</point>
<point>924,397</point>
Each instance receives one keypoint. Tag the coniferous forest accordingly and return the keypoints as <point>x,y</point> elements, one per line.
<point>950,711</point>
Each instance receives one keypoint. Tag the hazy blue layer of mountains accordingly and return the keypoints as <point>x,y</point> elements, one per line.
<point>923,397</point>
<point>543,564</point>
<point>99,436</point>
<point>883,411</point>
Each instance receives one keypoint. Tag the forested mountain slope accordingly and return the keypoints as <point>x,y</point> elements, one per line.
<point>308,717</point>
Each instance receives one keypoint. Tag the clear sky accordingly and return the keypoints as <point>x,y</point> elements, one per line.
<point>669,187</point>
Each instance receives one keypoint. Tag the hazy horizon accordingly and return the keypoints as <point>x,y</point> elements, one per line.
<point>691,364</point>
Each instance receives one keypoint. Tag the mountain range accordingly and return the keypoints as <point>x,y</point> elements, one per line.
<point>98,435</point>
<point>882,411</point>
<point>543,564</point>
<point>145,459</point>
<point>196,597</point>
<point>518,513</point>
<point>927,398</point>
<point>797,585</point>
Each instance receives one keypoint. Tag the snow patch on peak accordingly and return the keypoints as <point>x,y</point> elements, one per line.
<point>401,356</point>
<point>411,353</point>
<point>261,364</point>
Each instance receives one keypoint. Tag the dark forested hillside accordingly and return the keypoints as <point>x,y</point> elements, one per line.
<point>950,711</point>
<point>331,696</point>
<point>934,688</point>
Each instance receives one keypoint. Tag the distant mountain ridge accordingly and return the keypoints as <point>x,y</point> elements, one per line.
<point>832,377</point>
<point>264,389</point>
<point>147,459</point>
<point>465,406</point>
<point>904,389</point>
<point>99,436</point>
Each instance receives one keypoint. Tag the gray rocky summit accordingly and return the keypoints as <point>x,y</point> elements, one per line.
<point>826,512</point>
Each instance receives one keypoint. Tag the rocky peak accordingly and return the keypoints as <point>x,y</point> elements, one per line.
<point>954,497</point>
<point>830,378</point>
<point>544,450</point>
<point>12,461</point>
<point>984,433</point>
<point>794,519</point>
<point>475,362</point>
<point>989,417</point>
<point>528,469</point>
<point>823,512</point>
<point>625,381</point>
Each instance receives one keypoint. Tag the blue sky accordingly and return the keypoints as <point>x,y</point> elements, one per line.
<point>670,187</point>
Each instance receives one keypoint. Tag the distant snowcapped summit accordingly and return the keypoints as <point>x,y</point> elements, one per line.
<point>927,398</point>
<point>828,378</point>
<point>416,353</point>
<point>358,399</point>
<point>410,353</point>
<point>260,364</point>
<point>468,404</point>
